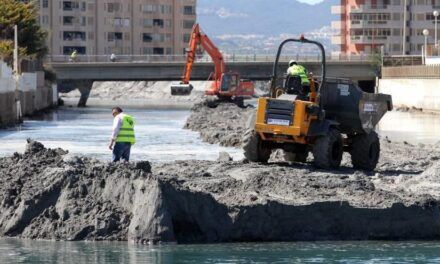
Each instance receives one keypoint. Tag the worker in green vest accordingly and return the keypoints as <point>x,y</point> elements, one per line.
<point>298,70</point>
<point>123,136</point>
<point>73,56</point>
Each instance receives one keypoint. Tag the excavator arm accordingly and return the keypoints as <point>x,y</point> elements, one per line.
<point>198,38</point>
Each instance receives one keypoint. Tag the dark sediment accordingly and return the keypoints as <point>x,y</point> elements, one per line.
<point>224,124</point>
<point>50,194</point>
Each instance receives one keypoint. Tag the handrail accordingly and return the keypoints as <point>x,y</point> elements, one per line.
<point>227,57</point>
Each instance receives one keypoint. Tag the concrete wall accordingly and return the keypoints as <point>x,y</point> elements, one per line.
<point>420,93</point>
<point>23,95</point>
<point>8,107</point>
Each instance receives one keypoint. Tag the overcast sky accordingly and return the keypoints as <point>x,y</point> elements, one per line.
<point>311,1</point>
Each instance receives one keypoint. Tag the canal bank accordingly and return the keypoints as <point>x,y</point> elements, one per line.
<point>23,95</point>
<point>415,86</point>
<point>49,194</point>
<point>52,194</point>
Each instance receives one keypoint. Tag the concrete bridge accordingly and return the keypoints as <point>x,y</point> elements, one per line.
<point>81,75</point>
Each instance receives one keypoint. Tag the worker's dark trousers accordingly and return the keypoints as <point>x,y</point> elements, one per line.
<point>121,150</point>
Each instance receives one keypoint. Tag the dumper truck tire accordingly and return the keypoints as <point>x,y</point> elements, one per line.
<point>365,151</point>
<point>296,156</point>
<point>328,150</point>
<point>253,147</point>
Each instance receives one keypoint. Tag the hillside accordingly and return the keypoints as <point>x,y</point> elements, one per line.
<point>260,24</point>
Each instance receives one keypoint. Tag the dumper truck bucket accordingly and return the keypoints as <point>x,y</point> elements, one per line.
<point>181,89</point>
<point>355,111</point>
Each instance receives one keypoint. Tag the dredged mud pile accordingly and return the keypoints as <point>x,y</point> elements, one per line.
<point>223,124</point>
<point>50,194</point>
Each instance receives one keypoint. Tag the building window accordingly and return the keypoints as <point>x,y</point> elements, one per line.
<point>158,23</point>
<point>118,22</point>
<point>186,38</point>
<point>166,9</point>
<point>112,36</point>
<point>74,35</point>
<point>147,37</point>
<point>188,24</point>
<point>158,51</point>
<point>149,8</point>
<point>68,20</point>
<point>45,3</point>
<point>147,22</point>
<point>67,50</point>
<point>189,10</point>
<point>70,5</point>
<point>45,20</point>
<point>113,7</point>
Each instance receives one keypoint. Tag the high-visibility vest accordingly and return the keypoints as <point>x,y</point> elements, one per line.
<point>126,133</point>
<point>298,70</point>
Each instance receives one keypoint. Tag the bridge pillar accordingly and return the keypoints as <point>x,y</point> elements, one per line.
<point>84,87</point>
<point>85,90</point>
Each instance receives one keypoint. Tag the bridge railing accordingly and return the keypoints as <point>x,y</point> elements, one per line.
<point>182,58</point>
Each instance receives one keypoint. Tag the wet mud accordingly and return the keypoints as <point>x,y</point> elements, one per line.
<point>50,194</point>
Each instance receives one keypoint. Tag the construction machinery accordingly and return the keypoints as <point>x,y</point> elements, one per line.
<point>225,85</point>
<point>331,117</point>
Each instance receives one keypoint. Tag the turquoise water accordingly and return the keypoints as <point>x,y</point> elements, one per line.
<point>23,251</point>
<point>159,134</point>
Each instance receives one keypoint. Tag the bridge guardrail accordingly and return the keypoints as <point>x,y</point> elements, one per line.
<point>182,58</point>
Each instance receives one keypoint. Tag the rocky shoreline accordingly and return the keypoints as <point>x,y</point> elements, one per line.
<point>49,194</point>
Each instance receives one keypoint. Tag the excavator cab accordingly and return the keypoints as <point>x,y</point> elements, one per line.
<point>229,83</point>
<point>327,118</point>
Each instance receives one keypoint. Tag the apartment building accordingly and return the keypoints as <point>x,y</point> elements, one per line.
<point>122,27</point>
<point>394,26</point>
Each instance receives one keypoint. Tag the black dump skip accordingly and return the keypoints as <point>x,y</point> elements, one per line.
<point>355,110</point>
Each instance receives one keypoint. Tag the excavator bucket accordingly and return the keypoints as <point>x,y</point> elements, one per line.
<point>181,89</point>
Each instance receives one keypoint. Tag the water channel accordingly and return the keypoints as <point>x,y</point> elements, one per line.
<point>161,138</point>
<point>160,135</point>
<point>32,252</point>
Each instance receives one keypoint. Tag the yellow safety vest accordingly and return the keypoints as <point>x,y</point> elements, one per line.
<point>126,134</point>
<point>298,70</point>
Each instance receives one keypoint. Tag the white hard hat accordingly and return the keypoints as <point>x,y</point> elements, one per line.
<point>291,62</point>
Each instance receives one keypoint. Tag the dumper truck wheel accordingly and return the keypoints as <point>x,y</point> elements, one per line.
<point>365,151</point>
<point>328,149</point>
<point>296,156</point>
<point>253,146</point>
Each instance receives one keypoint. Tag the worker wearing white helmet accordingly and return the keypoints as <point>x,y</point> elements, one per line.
<point>298,70</point>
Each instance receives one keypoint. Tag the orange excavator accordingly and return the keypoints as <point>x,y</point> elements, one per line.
<point>225,85</point>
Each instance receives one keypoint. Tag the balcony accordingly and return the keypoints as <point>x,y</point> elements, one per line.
<point>338,40</point>
<point>368,39</point>
<point>356,24</point>
<point>338,10</point>
<point>368,8</point>
<point>338,25</point>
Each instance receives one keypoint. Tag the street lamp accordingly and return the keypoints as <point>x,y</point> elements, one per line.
<point>435,13</point>
<point>425,33</point>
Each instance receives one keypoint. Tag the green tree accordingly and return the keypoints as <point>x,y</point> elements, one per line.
<point>31,37</point>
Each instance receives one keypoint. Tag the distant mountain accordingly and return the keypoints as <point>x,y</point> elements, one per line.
<point>262,17</point>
